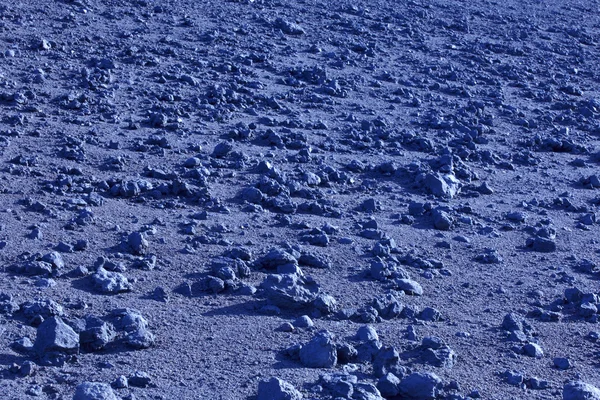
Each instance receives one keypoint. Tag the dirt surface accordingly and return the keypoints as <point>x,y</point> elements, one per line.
<point>365,200</point>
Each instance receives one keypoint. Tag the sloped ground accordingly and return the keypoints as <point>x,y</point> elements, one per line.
<point>182,180</point>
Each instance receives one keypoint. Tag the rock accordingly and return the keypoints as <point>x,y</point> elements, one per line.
<point>409,286</point>
<point>55,259</point>
<point>442,357</point>
<point>288,28</point>
<point>442,185</point>
<point>137,243</point>
<point>533,350</point>
<point>319,352</point>
<point>303,322</point>
<point>275,258</point>
<point>430,314</point>
<point>441,220</point>
<point>562,363</point>
<point>421,386</point>
<point>109,282</point>
<point>277,389</point>
<point>578,390</point>
<point>94,391</point>
<point>55,338</point>
<point>290,291</point>
<point>139,379</point>
<point>97,334</point>
<point>543,245</point>
<point>514,378</point>
<point>512,322</point>
<point>366,333</point>
<point>388,385</point>
<point>366,391</point>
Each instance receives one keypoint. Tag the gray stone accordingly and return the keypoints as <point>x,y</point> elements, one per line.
<point>277,389</point>
<point>290,291</point>
<point>512,322</point>
<point>94,391</point>
<point>543,245</point>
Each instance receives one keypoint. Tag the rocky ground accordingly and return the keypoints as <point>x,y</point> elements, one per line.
<point>299,199</point>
